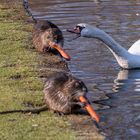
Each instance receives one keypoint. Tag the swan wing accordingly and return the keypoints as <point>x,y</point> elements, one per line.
<point>135,48</point>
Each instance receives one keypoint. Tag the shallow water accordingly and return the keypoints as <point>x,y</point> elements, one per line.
<point>94,64</point>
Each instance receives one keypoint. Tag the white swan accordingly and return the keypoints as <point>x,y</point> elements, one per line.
<point>126,59</point>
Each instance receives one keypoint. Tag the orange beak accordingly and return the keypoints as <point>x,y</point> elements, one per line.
<point>90,109</point>
<point>60,50</point>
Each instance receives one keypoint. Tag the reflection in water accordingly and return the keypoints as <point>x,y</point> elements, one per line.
<point>125,112</point>
<point>94,64</point>
<point>127,80</point>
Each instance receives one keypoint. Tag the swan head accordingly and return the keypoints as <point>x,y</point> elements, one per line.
<point>85,30</point>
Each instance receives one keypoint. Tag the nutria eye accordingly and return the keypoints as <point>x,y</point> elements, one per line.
<point>77,84</point>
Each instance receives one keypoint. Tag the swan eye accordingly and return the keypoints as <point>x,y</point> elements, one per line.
<point>80,28</point>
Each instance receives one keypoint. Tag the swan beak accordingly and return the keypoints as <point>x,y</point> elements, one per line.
<point>60,50</point>
<point>75,30</point>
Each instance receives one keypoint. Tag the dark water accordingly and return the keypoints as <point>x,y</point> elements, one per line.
<point>94,64</point>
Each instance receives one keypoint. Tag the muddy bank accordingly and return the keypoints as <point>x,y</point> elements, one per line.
<point>40,66</point>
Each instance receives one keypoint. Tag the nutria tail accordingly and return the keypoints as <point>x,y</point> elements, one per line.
<point>33,110</point>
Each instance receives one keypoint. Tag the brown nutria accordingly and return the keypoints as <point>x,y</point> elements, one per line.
<point>47,37</point>
<point>61,94</point>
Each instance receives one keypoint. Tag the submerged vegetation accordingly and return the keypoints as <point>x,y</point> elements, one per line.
<point>20,85</point>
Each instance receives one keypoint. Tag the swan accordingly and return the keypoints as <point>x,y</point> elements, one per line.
<point>127,59</point>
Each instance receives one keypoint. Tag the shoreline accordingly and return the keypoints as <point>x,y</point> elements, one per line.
<point>23,73</point>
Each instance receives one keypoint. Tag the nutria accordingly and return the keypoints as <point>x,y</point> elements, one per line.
<point>43,32</point>
<point>47,37</point>
<point>61,94</point>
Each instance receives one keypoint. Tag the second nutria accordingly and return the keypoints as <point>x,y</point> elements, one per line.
<point>44,32</point>
<point>62,92</point>
<point>47,37</point>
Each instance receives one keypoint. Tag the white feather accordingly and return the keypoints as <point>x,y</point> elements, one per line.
<point>126,59</point>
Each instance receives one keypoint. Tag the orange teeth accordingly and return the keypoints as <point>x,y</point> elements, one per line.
<point>60,50</point>
<point>89,109</point>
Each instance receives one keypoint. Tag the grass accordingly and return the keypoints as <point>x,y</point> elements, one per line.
<point>20,86</point>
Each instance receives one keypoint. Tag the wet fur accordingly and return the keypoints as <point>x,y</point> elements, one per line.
<point>43,32</point>
<point>62,91</point>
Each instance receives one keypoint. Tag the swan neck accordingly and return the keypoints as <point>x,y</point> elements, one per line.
<point>120,53</point>
<point>111,43</point>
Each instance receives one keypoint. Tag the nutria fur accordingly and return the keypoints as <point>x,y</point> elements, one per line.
<point>62,92</point>
<point>45,31</point>
<point>47,37</point>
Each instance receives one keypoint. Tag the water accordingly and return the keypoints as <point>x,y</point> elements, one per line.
<point>94,64</point>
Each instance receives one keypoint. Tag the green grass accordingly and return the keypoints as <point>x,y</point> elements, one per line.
<point>20,85</point>
<point>38,127</point>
